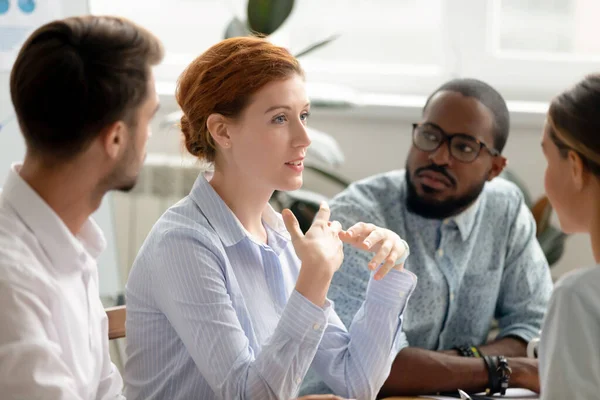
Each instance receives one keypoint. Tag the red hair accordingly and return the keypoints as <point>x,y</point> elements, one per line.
<point>222,80</point>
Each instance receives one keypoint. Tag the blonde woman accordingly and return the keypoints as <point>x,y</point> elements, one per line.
<point>570,341</point>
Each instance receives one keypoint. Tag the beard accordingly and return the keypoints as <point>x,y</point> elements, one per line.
<point>128,186</point>
<point>121,177</point>
<point>436,209</point>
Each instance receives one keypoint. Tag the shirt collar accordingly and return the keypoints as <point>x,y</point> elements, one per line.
<point>227,225</point>
<point>466,219</point>
<point>61,246</point>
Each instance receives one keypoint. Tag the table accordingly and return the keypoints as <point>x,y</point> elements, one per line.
<point>511,394</point>
<point>408,398</point>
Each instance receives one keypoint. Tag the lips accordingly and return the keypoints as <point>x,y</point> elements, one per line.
<point>295,163</point>
<point>434,180</point>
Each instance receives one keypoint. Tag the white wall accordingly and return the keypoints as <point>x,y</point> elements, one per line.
<point>378,140</point>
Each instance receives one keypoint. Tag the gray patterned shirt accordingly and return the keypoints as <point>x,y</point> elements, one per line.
<point>480,265</point>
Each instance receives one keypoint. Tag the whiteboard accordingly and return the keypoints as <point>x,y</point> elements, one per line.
<point>12,149</point>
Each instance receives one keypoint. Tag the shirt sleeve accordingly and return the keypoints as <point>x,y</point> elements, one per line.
<point>355,364</point>
<point>190,289</point>
<point>31,366</point>
<point>110,386</point>
<point>526,283</point>
<point>111,383</point>
<point>568,348</point>
<point>349,285</point>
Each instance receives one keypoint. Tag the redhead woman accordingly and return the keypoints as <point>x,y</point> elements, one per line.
<point>227,298</point>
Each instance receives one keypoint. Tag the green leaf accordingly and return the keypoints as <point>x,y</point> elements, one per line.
<point>265,16</point>
<point>236,28</point>
<point>317,45</point>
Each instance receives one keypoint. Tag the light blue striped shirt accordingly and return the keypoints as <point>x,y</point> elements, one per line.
<point>213,314</point>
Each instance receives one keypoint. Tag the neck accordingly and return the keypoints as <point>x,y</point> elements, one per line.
<point>245,200</point>
<point>68,188</point>
<point>595,237</point>
<point>592,214</point>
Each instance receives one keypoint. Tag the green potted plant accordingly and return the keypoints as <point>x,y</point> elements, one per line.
<point>265,17</point>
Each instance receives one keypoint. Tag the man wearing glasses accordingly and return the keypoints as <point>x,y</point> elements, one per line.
<point>473,248</point>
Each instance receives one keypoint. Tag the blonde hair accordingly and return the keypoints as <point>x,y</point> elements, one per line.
<point>574,121</point>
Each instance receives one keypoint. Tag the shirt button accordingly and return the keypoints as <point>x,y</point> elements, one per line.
<point>402,293</point>
<point>446,221</point>
<point>298,381</point>
<point>440,253</point>
<point>451,296</point>
<point>316,327</point>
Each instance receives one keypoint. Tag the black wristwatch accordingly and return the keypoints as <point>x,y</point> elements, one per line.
<point>498,374</point>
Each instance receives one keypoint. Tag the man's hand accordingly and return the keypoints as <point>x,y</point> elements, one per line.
<point>387,246</point>
<point>418,371</point>
<point>525,373</point>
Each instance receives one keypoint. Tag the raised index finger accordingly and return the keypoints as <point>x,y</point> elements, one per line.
<point>323,214</point>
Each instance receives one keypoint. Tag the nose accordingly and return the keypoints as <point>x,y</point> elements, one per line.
<point>441,156</point>
<point>301,135</point>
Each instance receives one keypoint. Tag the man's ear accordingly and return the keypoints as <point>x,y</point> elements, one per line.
<point>114,139</point>
<point>498,165</point>
<point>217,127</point>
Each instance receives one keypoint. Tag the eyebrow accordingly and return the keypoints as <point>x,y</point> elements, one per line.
<point>476,137</point>
<point>451,133</point>
<point>282,106</point>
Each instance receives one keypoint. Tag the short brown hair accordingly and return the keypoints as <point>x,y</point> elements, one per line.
<point>222,80</point>
<point>73,77</point>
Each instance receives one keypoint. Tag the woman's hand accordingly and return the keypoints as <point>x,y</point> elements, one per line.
<point>320,250</point>
<point>390,250</point>
<point>321,247</point>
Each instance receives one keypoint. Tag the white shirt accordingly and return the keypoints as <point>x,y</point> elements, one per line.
<point>53,328</point>
<point>570,343</point>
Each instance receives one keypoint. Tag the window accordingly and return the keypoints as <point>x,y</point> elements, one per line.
<point>532,49</point>
<point>528,49</point>
<point>384,45</point>
<point>548,27</point>
<point>186,27</point>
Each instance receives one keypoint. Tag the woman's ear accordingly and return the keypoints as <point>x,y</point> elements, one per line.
<point>579,173</point>
<point>217,127</point>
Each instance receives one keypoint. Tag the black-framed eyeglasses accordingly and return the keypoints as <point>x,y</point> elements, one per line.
<point>464,148</point>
